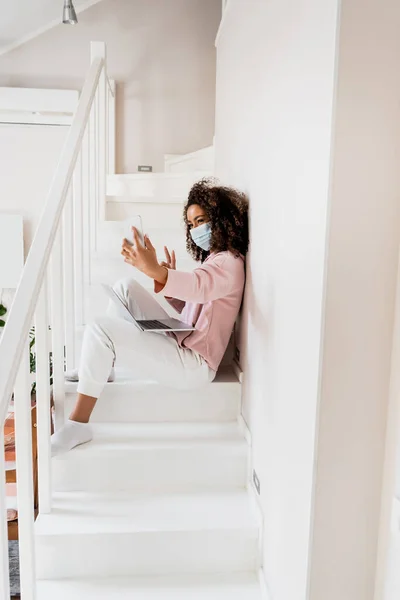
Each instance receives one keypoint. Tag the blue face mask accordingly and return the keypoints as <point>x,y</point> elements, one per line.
<point>201,236</point>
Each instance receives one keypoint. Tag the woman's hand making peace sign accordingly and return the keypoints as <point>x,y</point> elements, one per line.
<point>170,259</point>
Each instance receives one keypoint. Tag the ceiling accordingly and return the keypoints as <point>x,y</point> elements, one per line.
<point>22,20</point>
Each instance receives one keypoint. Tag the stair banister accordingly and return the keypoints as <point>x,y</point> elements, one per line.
<point>59,254</point>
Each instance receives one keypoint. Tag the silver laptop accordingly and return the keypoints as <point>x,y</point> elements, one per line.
<point>155,325</point>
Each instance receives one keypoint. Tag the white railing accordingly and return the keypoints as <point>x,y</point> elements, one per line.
<point>59,259</point>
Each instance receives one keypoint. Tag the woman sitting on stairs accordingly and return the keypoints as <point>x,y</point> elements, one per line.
<point>207,298</point>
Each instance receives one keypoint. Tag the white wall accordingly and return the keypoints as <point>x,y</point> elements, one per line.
<point>281,74</point>
<point>29,157</point>
<point>275,80</point>
<point>161,54</point>
<point>361,281</point>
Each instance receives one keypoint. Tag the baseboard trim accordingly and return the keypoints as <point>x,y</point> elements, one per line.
<point>244,429</point>
<point>265,594</point>
<point>222,23</point>
<point>256,505</point>
<point>253,495</point>
<point>237,370</point>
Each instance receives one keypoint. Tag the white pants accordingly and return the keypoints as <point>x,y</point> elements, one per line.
<point>148,355</point>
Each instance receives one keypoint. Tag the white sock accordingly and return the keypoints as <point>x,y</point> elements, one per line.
<point>70,435</point>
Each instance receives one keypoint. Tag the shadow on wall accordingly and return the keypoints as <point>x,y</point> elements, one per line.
<point>254,324</point>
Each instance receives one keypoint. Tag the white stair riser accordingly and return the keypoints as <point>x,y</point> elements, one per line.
<point>156,404</point>
<point>153,187</point>
<point>146,553</point>
<point>210,587</point>
<point>201,160</point>
<point>155,470</point>
<point>109,240</point>
<point>153,215</point>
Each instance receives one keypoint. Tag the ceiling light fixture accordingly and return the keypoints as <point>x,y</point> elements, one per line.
<point>69,14</point>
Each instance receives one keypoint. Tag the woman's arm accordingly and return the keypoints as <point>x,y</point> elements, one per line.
<point>176,304</point>
<point>214,279</point>
<point>170,263</point>
<point>209,282</point>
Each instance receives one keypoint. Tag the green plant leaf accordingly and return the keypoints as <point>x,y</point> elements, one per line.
<point>3,310</point>
<point>2,323</point>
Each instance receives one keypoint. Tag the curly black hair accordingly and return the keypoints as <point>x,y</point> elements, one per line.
<point>227,210</point>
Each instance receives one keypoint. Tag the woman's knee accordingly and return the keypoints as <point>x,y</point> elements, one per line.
<point>126,286</point>
<point>98,340</point>
<point>99,326</point>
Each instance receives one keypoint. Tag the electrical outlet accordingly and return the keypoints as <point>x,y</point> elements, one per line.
<point>145,169</point>
<point>257,483</point>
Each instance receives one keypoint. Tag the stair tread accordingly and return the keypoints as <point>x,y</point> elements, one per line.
<point>124,379</point>
<point>229,587</point>
<point>94,513</point>
<point>132,436</point>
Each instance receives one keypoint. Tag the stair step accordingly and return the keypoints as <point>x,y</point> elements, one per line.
<point>155,457</point>
<point>126,534</point>
<point>128,401</point>
<point>160,188</point>
<point>232,587</point>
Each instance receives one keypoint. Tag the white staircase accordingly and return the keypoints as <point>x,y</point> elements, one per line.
<point>157,505</point>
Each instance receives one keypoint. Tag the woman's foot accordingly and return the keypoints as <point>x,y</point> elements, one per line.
<point>69,436</point>
<point>74,375</point>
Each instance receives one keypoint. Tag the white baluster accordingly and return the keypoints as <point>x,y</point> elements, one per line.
<point>24,466</point>
<point>4,571</point>
<point>98,50</point>
<point>69,283</point>
<point>86,213</point>
<point>102,136</point>
<point>97,127</point>
<point>111,129</point>
<point>78,240</point>
<point>43,416</point>
<point>93,176</point>
<point>57,329</point>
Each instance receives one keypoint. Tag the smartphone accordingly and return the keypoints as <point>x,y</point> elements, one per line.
<point>135,221</point>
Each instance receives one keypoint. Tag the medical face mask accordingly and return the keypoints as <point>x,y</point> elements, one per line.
<point>201,236</point>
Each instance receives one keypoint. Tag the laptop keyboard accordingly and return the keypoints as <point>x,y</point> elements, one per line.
<point>153,325</point>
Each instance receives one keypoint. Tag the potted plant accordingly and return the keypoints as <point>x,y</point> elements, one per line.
<point>3,311</point>
<point>32,353</point>
<point>32,361</point>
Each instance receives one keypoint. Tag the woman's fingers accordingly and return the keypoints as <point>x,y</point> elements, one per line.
<point>149,245</point>
<point>136,238</point>
<point>129,255</point>
<point>171,258</point>
<point>129,251</point>
<point>126,243</point>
